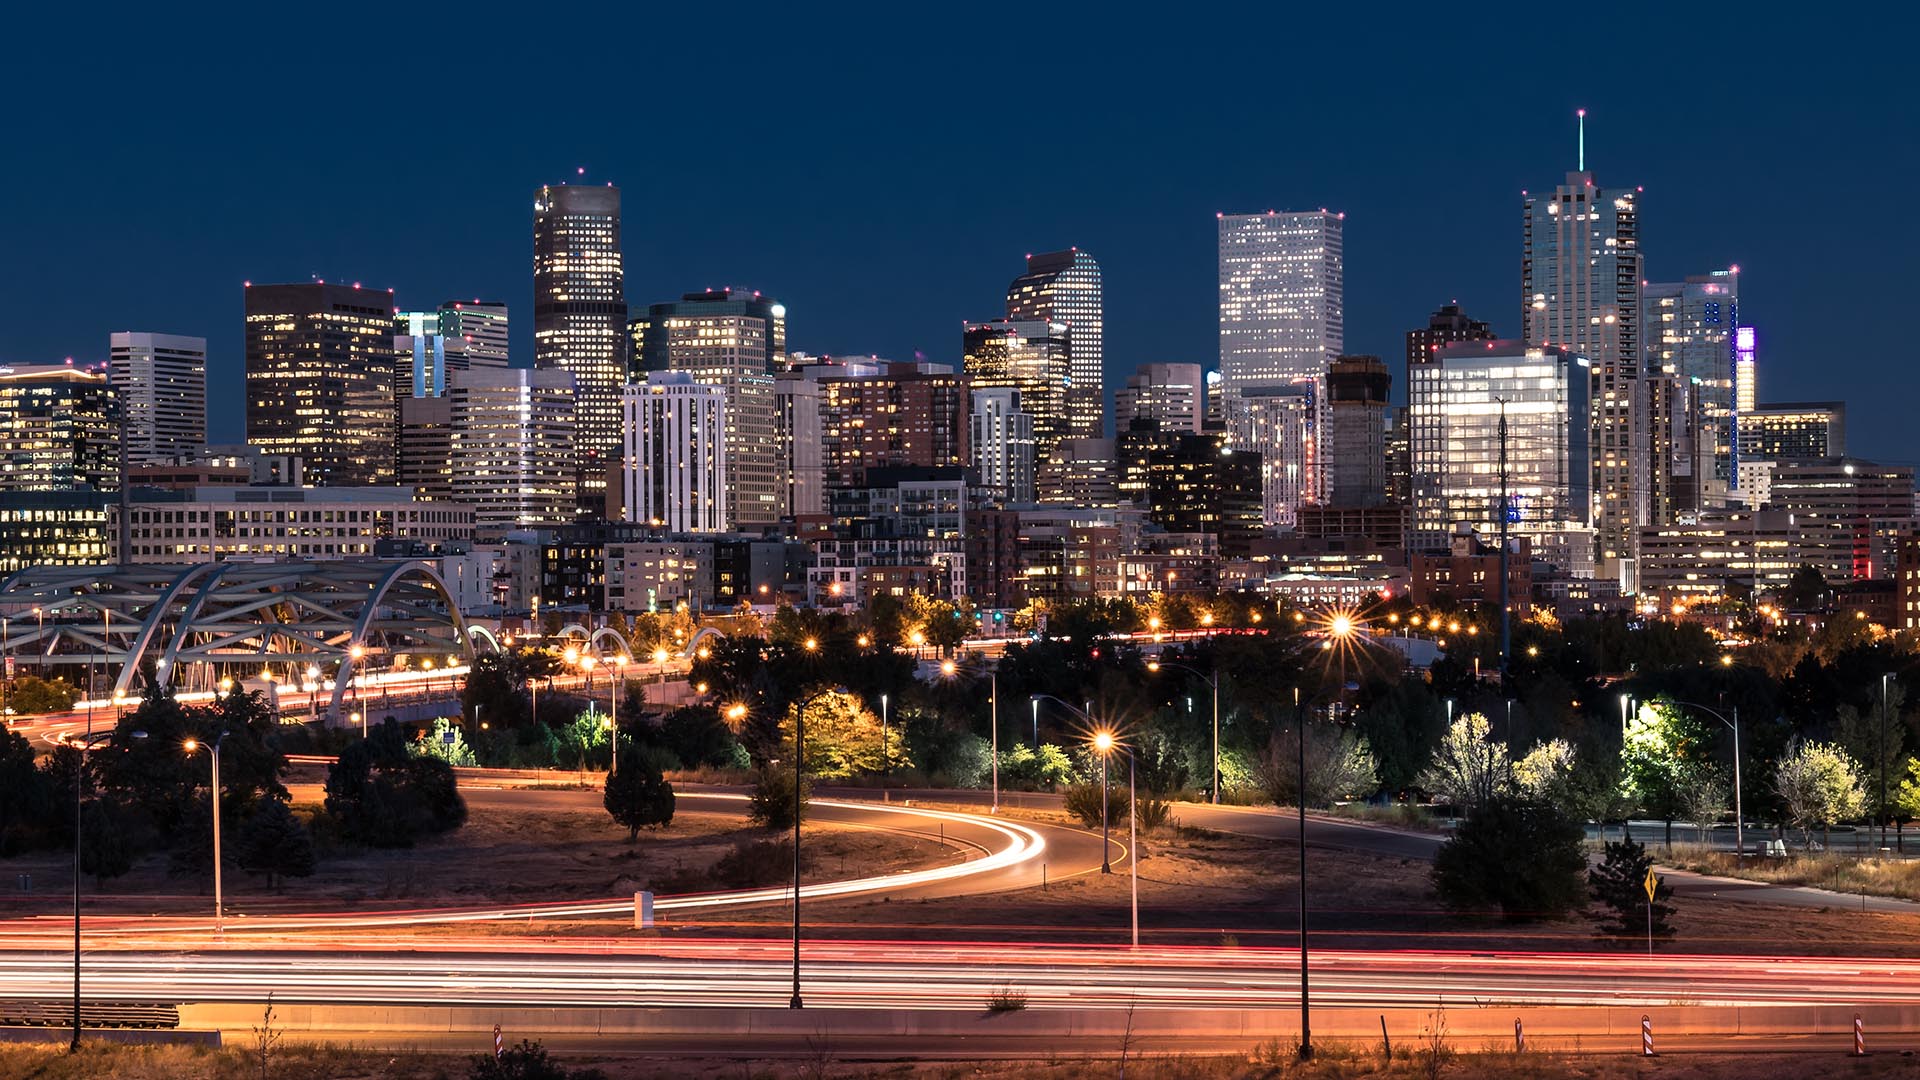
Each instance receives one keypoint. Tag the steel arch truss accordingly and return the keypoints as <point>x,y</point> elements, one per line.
<point>338,616</point>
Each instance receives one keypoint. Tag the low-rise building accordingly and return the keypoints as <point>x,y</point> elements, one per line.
<point>216,523</point>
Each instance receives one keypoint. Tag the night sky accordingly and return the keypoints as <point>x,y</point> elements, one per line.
<point>883,170</point>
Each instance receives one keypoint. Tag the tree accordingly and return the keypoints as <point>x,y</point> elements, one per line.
<point>381,794</point>
<point>106,840</point>
<point>1819,785</point>
<point>1619,883</point>
<point>1906,800</point>
<point>637,794</point>
<point>1664,752</point>
<point>446,742</point>
<point>1402,726</point>
<point>32,694</point>
<point>527,1061</point>
<point>1546,774</point>
<point>1521,856</point>
<point>770,802</point>
<point>26,797</point>
<point>1469,768</point>
<point>1700,798</point>
<point>275,843</point>
<point>1807,590</point>
<point>843,737</point>
<point>1338,763</point>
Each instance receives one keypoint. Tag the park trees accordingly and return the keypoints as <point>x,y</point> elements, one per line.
<point>1469,767</point>
<point>274,843</point>
<point>1663,758</point>
<point>1818,784</point>
<point>1619,884</point>
<point>844,737</point>
<point>381,794</point>
<point>1338,764</point>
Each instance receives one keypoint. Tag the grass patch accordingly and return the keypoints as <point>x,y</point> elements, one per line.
<point>1873,876</point>
<point>1398,815</point>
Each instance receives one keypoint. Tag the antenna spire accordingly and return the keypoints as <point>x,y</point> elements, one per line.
<point>1582,114</point>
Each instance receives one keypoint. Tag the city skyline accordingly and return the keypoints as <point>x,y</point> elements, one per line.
<point>816,244</point>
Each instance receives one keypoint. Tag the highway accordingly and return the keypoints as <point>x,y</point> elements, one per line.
<point>717,973</point>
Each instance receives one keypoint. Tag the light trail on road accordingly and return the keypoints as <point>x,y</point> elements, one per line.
<point>892,975</point>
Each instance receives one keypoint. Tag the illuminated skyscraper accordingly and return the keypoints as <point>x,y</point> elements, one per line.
<point>737,341</point>
<point>1172,395</point>
<point>676,453</point>
<point>1064,287</point>
<point>57,429</point>
<point>1033,357</point>
<point>499,440</point>
<point>1356,432</point>
<point>1580,274</point>
<point>476,330</point>
<point>458,336</point>
<point>1448,325</point>
<point>1278,429</point>
<point>580,309</point>
<point>1282,297</point>
<point>161,382</point>
<point>1691,334</point>
<point>320,379</point>
<point>1003,444</point>
<point>1456,402</point>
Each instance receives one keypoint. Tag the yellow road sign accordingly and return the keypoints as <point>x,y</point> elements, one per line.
<point>1651,884</point>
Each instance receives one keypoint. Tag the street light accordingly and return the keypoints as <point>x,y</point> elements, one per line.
<point>1341,628</point>
<point>1739,822</point>
<point>1105,744</point>
<point>1213,680</point>
<point>219,920</point>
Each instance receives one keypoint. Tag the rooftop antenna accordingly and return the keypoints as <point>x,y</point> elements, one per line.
<point>1582,114</point>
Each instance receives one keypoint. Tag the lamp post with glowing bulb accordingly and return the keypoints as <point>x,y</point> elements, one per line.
<point>1340,629</point>
<point>213,754</point>
<point>1213,680</point>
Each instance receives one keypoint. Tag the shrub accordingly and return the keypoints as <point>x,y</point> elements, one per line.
<point>1083,802</point>
<point>274,842</point>
<point>755,863</point>
<point>1002,999</point>
<point>380,794</point>
<point>1619,883</point>
<point>1521,856</point>
<point>527,1061</point>
<point>1154,813</point>
<point>770,803</point>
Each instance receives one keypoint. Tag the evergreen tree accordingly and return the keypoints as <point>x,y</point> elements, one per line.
<point>275,843</point>
<point>1518,855</point>
<point>1619,882</point>
<point>637,795</point>
<point>106,841</point>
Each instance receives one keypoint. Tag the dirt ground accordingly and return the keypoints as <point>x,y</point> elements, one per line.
<point>496,857</point>
<point>1335,1062</point>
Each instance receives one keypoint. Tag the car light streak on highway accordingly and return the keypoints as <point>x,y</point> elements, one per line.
<point>1022,845</point>
<point>910,975</point>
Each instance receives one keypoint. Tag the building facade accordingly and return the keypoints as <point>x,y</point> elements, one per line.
<point>58,429</point>
<point>1355,450</point>
<point>1063,287</point>
<point>1003,444</point>
<point>1836,504</point>
<point>1172,395</point>
<point>319,361</point>
<point>905,415</point>
<point>580,309</point>
<point>1457,401</point>
<point>1033,357</point>
<point>214,524</point>
<point>1282,297</point>
<point>161,383</point>
<point>1279,426</point>
<point>1690,334</point>
<point>676,454</point>
<point>1580,275</point>
<point>1797,431</point>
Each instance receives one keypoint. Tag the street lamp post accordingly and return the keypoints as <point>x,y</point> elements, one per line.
<point>1739,814</point>
<point>1213,680</point>
<point>799,778</point>
<point>79,788</point>
<point>1882,815</point>
<point>1342,628</point>
<point>1105,743</point>
<point>219,912</point>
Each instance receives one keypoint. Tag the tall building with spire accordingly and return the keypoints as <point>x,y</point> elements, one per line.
<point>1580,275</point>
<point>1064,287</point>
<point>580,310</point>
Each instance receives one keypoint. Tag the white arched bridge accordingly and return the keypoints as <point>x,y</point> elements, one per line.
<point>190,627</point>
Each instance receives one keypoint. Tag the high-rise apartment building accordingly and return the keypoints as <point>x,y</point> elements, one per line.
<point>895,414</point>
<point>1079,472</point>
<point>736,341</point>
<point>803,462</point>
<point>1282,297</point>
<point>1172,395</point>
<point>1457,402</point>
<point>1580,274</point>
<point>58,429</point>
<point>497,440</point>
<point>161,383</point>
<point>1279,427</point>
<point>580,309</point>
<point>1003,444</point>
<point>1796,431</point>
<point>1063,287</point>
<point>1690,333</point>
<point>1032,356</point>
<point>676,455</point>
<point>1356,432</point>
<point>320,379</point>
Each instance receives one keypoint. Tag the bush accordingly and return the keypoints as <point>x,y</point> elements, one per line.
<point>1083,802</point>
<point>637,795</point>
<point>527,1061</point>
<point>771,801</point>
<point>1521,856</point>
<point>1154,813</point>
<point>380,794</point>
<point>1048,767</point>
<point>755,863</point>
<point>447,742</point>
